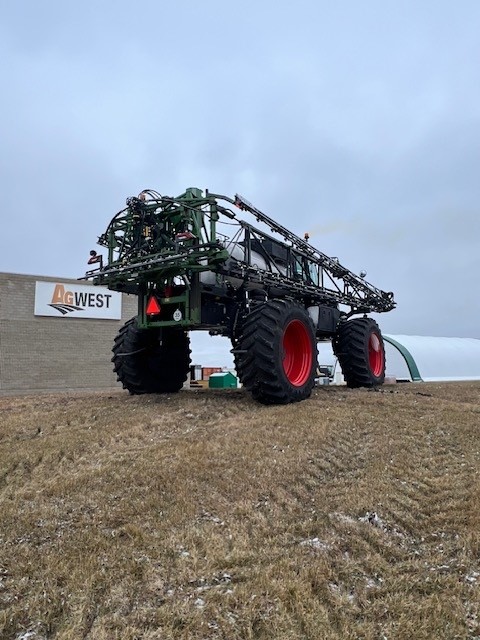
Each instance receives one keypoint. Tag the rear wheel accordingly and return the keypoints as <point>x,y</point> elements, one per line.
<point>360,350</point>
<point>277,356</point>
<point>150,361</point>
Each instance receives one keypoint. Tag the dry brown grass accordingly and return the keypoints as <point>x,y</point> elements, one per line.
<point>205,515</point>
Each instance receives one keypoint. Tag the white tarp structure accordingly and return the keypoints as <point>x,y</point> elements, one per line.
<point>426,358</point>
<point>441,359</point>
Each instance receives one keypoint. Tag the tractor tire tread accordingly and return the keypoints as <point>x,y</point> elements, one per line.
<point>155,367</point>
<point>350,345</point>
<point>260,367</point>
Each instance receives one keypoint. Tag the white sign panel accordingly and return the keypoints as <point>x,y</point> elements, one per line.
<point>64,300</point>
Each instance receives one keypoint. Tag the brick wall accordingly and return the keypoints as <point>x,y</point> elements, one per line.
<point>43,353</point>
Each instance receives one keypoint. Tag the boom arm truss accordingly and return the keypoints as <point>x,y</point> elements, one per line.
<point>355,292</point>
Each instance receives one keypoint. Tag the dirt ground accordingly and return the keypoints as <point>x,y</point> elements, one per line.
<point>355,514</point>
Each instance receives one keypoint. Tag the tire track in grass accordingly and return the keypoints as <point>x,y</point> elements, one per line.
<point>331,465</point>
<point>434,481</point>
<point>415,546</point>
<point>356,552</point>
<point>435,485</point>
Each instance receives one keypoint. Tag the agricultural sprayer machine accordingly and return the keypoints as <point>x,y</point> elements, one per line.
<point>195,263</point>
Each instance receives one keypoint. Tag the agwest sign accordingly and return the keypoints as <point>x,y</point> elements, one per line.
<point>64,300</point>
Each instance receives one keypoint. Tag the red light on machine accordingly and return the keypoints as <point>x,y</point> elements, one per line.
<point>184,235</point>
<point>153,308</point>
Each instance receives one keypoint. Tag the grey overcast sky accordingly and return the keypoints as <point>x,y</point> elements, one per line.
<point>356,120</point>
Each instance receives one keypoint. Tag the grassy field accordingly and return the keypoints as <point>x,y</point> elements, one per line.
<point>355,514</point>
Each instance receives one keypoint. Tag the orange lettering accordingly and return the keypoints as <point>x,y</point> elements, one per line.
<point>68,297</point>
<point>58,294</point>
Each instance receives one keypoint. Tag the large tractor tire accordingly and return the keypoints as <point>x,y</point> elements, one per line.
<point>360,350</point>
<point>277,353</point>
<point>146,363</point>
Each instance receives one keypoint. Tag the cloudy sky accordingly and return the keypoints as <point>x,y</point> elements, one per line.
<point>357,121</point>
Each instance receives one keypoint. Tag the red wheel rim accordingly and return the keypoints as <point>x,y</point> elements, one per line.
<point>297,353</point>
<point>375,355</point>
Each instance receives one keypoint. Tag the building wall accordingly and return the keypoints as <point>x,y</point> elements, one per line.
<point>52,353</point>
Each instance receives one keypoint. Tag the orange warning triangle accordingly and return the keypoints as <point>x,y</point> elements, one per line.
<point>153,308</point>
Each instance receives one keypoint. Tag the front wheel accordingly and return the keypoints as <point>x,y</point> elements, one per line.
<point>277,357</point>
<point>147,361</point>
<point>360,350</point>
